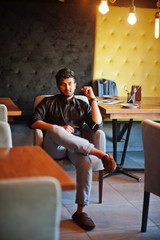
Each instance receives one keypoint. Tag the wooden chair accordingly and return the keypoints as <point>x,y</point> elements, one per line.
<point>151,145</point>
<point>97,138</point>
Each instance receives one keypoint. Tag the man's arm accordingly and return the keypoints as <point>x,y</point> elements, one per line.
<point>44,126</point>
<point>37,120</point>
<point>41,125</point>
<point>96,115</point>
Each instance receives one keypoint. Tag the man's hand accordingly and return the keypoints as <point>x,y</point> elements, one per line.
<point>88,91</point>
<point>96,115</point>
<point>68,128</point>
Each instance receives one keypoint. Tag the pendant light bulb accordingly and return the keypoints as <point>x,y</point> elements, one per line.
<point>157,19</point>
<point>132,17</point>
<point>103,7</point>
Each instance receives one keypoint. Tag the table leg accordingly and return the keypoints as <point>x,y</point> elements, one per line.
<point>114,131</point>
<point>126,142</point>
<point>120,168</point>
<point>114,140</point>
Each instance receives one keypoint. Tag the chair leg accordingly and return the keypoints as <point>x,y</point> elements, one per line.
<point>100,185</point>
<point>145,211</point>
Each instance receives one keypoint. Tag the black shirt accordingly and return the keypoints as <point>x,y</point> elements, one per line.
<point>56,110</point>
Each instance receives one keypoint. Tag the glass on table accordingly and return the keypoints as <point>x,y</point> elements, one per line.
<point>130,97</point>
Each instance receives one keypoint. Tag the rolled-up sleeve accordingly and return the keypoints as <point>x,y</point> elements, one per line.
<point>94,126</point>
<point>39,113</point>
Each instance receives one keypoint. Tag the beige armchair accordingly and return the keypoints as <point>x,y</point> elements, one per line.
<point>97,138</point>
<point>151,145</point>
<point>30,208</point>
<point>5,135</point>
<point>3,113</point>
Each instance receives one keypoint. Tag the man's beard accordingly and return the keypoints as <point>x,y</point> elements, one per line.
<point>67,96</point>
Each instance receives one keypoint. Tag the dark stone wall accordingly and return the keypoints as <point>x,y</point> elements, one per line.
<point>37,38</point>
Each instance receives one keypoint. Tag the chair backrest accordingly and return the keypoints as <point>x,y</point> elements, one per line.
<point>3,113</point>
<point>151,145</point>
<point>30,208</point>
<point>39,98</point>
<point>105,87</point>
<point>5,135</point>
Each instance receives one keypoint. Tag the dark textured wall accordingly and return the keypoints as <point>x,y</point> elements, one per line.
<point>37,38</point>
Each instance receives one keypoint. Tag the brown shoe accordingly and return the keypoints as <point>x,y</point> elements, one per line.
<point>109,163</point>
<point>83,221</point>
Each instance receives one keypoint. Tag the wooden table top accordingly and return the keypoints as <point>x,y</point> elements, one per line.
<point>32,161</point>
<point>149,107</point>
<point>12,108</point>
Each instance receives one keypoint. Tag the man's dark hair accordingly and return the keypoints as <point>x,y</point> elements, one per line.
<point>63,74</point>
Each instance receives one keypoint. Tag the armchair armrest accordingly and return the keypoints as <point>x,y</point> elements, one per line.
<point>38,137</point>
<point>98,138</point>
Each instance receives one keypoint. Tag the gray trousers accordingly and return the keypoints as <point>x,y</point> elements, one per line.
<point>58,143</point>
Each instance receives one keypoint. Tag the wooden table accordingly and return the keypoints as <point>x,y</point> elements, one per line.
<point>148,108</point>
<point>31,161</point>
<point>12,108</point>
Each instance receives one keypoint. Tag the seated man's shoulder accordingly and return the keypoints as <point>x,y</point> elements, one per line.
<point>47,99</point>
<point>50,97</point>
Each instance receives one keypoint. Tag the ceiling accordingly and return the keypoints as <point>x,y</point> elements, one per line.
<point>121,3</point>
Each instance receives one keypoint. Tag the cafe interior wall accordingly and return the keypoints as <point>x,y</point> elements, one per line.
<point>38,38</point>
<point>128,54</point>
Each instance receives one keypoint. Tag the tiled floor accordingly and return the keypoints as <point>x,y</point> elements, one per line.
<point>119,216</point>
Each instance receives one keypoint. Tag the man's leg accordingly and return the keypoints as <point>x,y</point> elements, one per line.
<point>84,182</point>
<point>57,136</point>
<point>60,137</point>
<point>53,149</point>
<point>79,149</point>
<point>84,176</point>
<point>54,138</point>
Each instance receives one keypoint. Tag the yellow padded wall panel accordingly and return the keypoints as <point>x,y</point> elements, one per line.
<point>127,54</point>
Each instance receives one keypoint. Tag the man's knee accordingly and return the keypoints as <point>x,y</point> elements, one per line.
<point>54,129</point>
<point>54,132</point>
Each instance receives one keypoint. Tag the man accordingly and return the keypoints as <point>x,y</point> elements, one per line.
<point>62,117</point>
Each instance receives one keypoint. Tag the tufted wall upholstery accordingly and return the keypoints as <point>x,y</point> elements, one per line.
<point>37,38</point>
<point>128,54</point>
